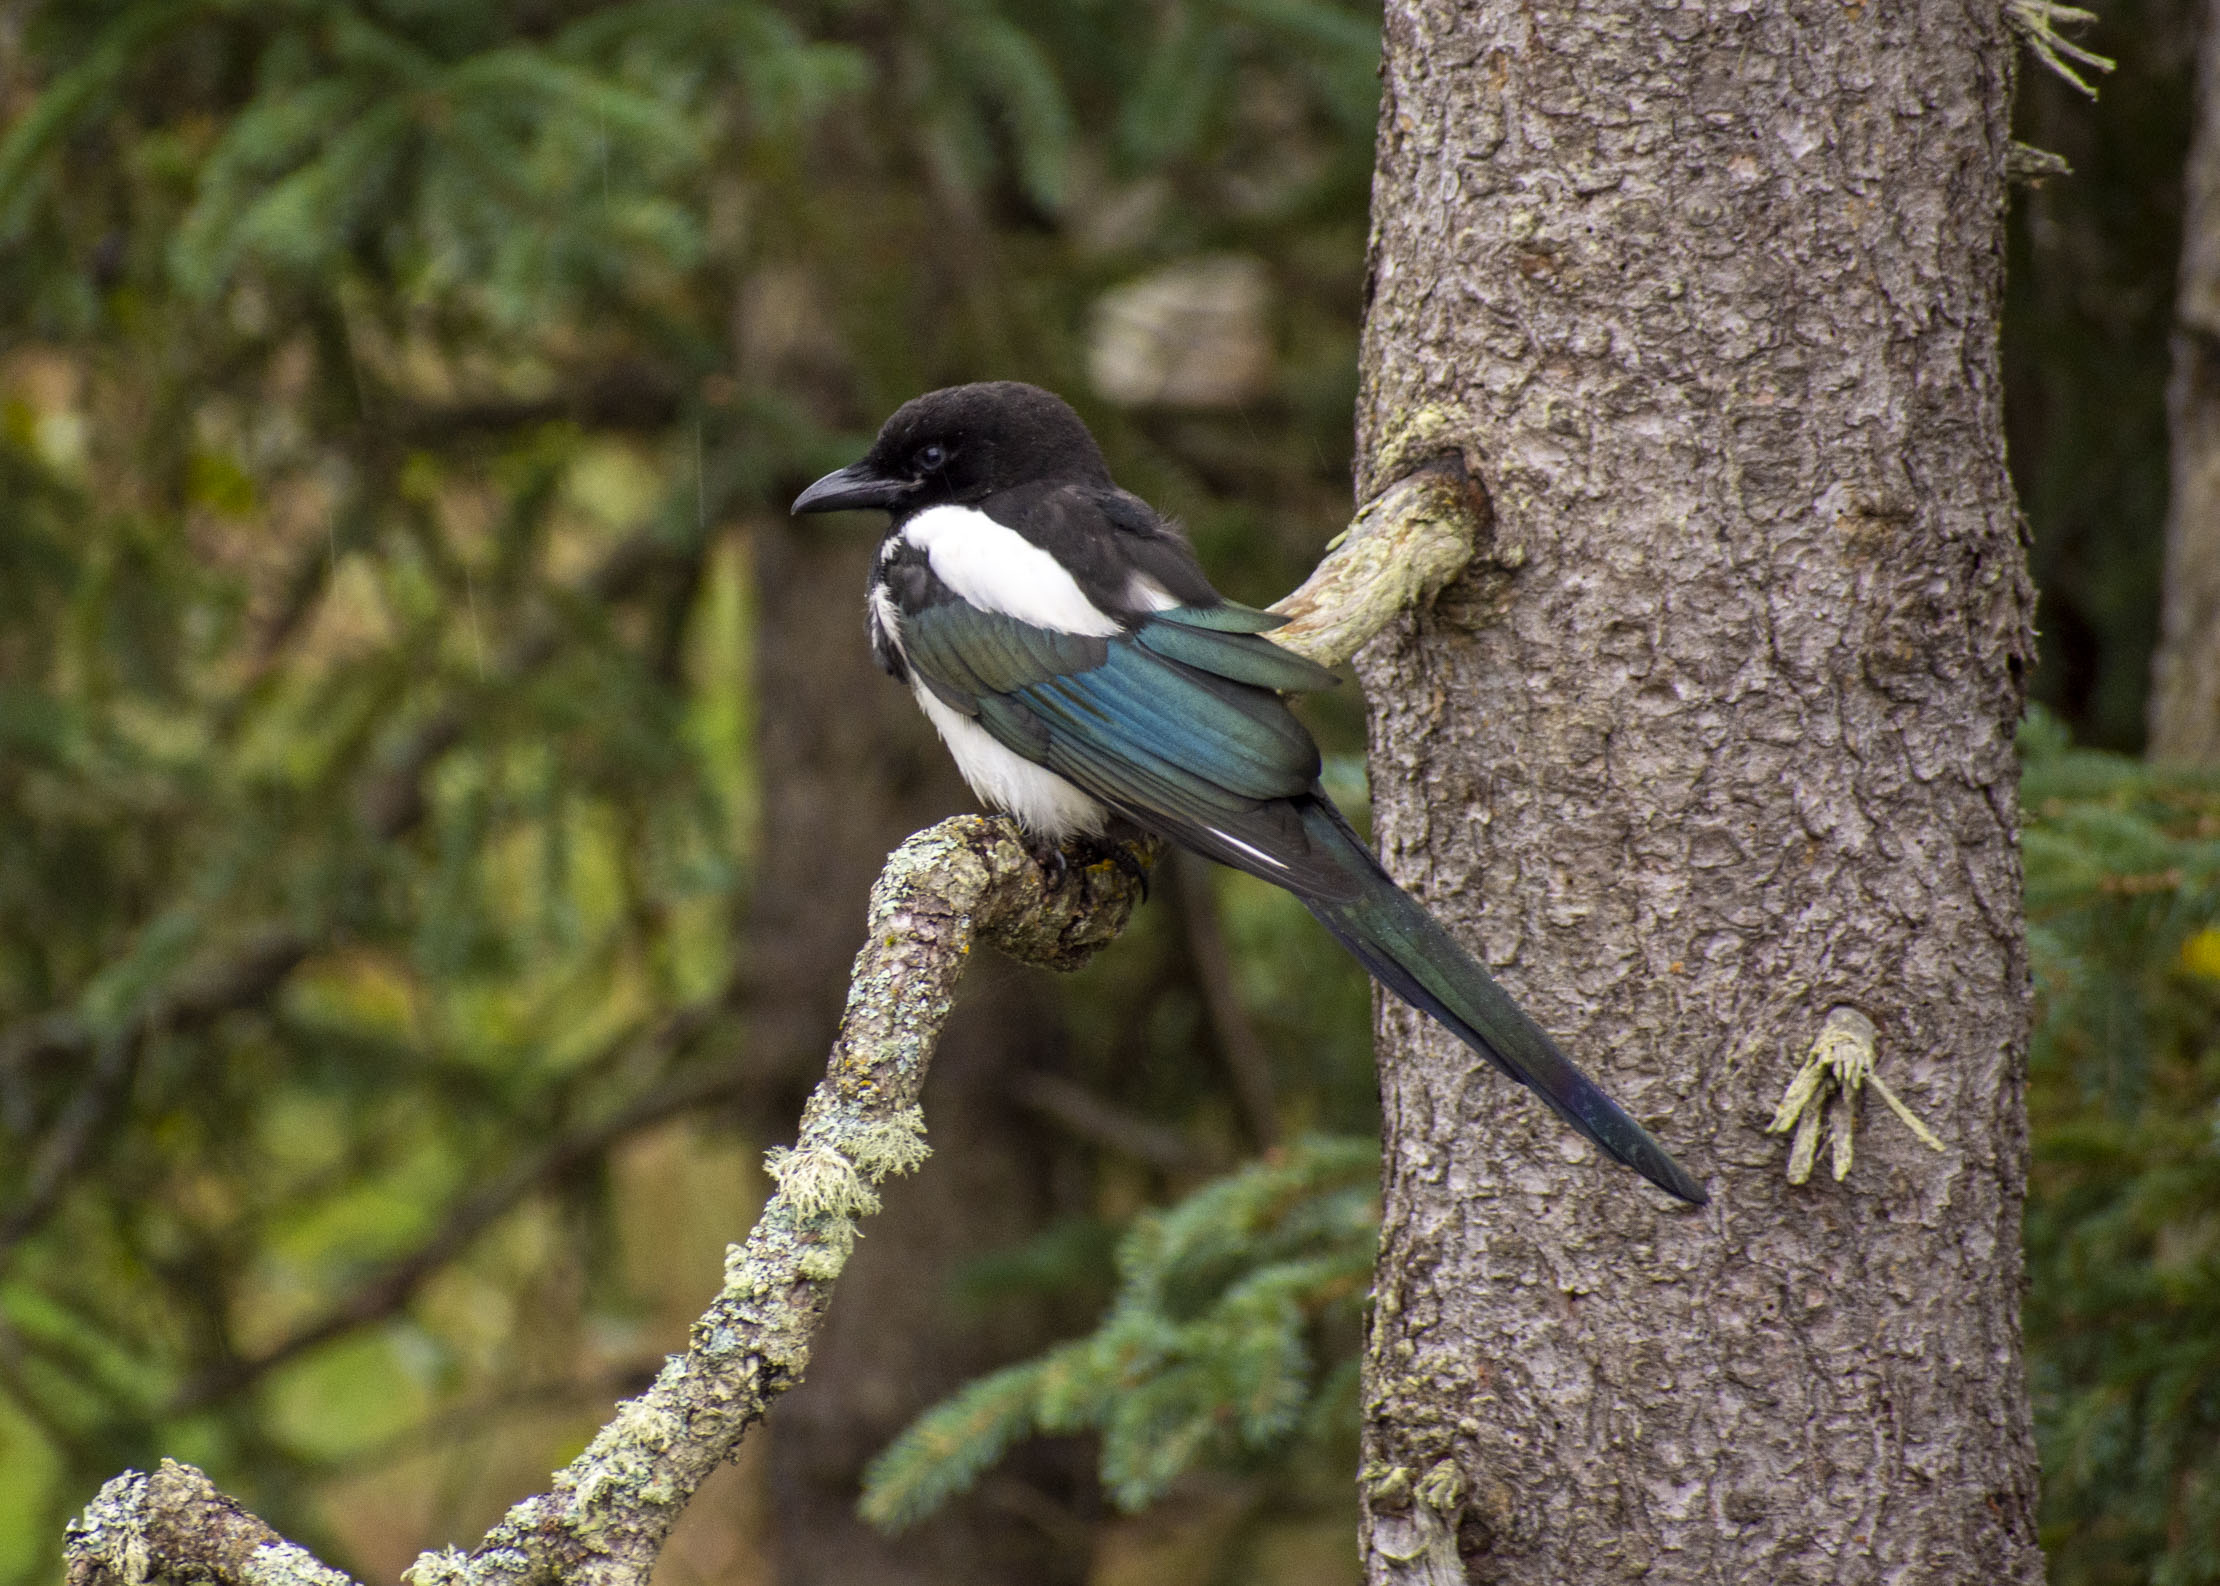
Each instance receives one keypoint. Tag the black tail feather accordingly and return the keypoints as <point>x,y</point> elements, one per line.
<point>1393,936</point>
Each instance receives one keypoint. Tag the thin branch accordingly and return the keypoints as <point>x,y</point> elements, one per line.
<point>963,882</point>
<point>200,997</point>
<point>15,1385</point>
<point>1238,1043</point>
<point>626,396</point>
<point>198,1000</point>
<point>485,1414</point>
<point>398,1282</point>
<point>98,1097</point>
<point>390,801</point>
<point>1094,1120</point>
<point>2037,22</point>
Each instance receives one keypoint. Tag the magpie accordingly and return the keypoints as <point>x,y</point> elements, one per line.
<point>1063,640</point>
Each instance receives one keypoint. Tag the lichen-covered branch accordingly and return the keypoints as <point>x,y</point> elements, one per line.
<point>604,1520</point>
<point>175,1525</point>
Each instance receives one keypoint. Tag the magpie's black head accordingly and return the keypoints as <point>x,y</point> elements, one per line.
<point>963,444</point>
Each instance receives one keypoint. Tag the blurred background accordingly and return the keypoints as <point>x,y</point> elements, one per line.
<point>438,782</point>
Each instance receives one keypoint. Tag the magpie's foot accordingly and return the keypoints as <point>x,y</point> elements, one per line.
<point>1091,851</point>
<point>1049,855</point>
<point>1123,856</point>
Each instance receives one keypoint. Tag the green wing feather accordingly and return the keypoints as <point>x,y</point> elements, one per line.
<point>1240,655</point>
<point>1188,717</point>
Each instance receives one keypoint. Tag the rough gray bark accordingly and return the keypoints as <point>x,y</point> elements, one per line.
<point>1715,739</point>
<point>2185,672</point>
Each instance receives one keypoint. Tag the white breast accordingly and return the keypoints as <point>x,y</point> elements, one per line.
<point>998,569</point>
<point>1043,802</point>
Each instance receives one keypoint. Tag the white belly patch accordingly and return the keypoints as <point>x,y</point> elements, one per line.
<point>1044,803</point>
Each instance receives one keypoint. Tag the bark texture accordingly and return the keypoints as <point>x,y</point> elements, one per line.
<point>1714,739</point>
<point>2185,680</point>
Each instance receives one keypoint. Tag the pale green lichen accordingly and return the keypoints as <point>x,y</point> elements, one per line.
<point>825,1258</point>
<point>890,1145</point>
<point>1427,430</point>
<point>111,1543</point>
<point>1388,1486</point>
<point>1837,1067</point>
<point>1442,1489</point>
<point>447,1567</point>
<point>288,1564</point>
<point>817,1181</point>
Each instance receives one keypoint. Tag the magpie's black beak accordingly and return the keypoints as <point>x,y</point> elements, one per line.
<point>849,489</point>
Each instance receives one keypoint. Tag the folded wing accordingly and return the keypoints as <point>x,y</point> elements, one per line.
<point>1177,724</point>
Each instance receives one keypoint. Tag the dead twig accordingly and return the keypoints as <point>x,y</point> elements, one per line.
<point>1247,1062</point>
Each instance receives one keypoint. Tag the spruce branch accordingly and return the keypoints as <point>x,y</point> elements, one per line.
<point>386,1289</point>
<point>390,799</point>
<point>1206,1351</point>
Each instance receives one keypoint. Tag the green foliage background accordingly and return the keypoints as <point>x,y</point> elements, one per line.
<point>390,397</point>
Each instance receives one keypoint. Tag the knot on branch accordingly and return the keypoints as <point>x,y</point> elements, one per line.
<point>1400,551</point>
<point>1413,1520</point>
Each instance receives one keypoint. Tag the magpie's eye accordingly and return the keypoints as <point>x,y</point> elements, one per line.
<point>931,457</point>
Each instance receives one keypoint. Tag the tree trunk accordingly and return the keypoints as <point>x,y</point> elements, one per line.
<point>850,769</point>
<point>1716,739</point>
<point>2185,674</point>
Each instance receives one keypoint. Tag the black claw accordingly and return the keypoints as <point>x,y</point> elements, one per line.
<point>1087,852</point>
<point>1123,856</point>
<point>1057,860</point>
<point>1050,857</point>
